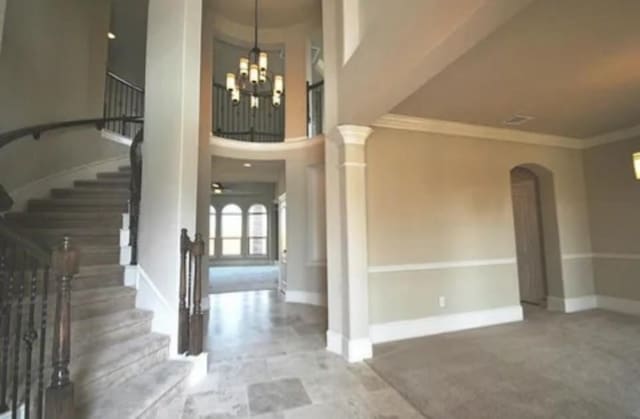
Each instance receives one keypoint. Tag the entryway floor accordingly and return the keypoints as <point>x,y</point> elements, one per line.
<point>242,278</point>
<point>267,361</point>
<point>583,365</point>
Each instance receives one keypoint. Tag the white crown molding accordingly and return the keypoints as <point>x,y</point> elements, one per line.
<point>613,136</point>
<point>354,134</point>
<point>412,123</point>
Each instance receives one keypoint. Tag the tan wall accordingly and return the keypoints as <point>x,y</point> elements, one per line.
<point>441,199</point>
<point>52,68</point>
<point>614,200</point>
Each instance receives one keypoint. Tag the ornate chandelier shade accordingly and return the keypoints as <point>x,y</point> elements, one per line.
<point>253,77</point>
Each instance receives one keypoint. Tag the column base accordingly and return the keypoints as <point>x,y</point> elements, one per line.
<point>353,350</point>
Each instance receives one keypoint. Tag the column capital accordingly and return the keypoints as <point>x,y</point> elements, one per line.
<point>354,134</point>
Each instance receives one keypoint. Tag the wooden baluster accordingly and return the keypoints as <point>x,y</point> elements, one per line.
<point>30,336</point>
<point>135,186</point>
<point>197,323</point>
<point>20,279</point>
<point>44,307</point>
<point>59,399</point>
<point>6,280</point>
<point>183,311</point>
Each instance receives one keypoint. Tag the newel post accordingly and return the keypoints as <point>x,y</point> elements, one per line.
<point>183,309</point>
<point>59,398</point>
<point>197,323</point>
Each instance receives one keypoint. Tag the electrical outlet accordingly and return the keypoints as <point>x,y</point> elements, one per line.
<point>442,301</point>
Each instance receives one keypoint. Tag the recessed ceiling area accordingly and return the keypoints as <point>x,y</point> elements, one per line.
<point>271,13</point>
<point>225,170</point>
<point>573,65</point>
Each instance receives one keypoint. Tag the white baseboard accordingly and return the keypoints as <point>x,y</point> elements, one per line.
<point>41,188</point>
<point>620,305</point>
<point>165,316</point>
<point>408,329</point>
<point>125,255</point>
<point>334,342</point>
<point>354,350</point>
<point>572,305</point>
<point>305,297</point>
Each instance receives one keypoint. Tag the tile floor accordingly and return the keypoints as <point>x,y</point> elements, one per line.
<point>267,361</point>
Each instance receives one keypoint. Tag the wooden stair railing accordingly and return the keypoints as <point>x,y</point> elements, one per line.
<point>135,160</point>
<point>190,322</point>
<point>25,271</point>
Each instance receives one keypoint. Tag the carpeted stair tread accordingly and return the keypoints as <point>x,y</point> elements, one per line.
<point>97,370</point>
<point>137,396</point>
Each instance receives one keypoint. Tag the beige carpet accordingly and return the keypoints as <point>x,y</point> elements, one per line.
<point>584,365</point>
<point>242,278</point>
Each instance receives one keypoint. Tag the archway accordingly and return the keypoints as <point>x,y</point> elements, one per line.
<point>536,234</point>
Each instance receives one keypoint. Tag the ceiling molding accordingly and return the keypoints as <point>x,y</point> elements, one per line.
<point>613,136</point>
<point>412,123</point>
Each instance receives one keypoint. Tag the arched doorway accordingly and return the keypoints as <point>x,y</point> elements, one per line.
<point>529,232</point>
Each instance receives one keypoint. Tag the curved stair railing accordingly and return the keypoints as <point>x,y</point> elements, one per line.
<point>26,270</point>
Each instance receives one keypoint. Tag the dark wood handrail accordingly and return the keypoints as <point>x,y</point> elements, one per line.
<point>315,85</point>
<point>35,250</point>
<point>36,130</point>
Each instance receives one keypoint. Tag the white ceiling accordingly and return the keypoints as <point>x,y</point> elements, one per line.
<point>271,13</point>
<point>574,65</point>
<point>226,170</point>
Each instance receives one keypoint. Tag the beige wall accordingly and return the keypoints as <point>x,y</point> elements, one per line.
<point>442,199</point>
<point>614,199</point>
<point>52,68</point>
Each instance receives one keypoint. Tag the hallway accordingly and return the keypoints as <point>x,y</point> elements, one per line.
<point>267,361</point>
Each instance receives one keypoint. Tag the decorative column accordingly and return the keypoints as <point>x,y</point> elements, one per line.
<point>349,286</point>
<point>171,154</point>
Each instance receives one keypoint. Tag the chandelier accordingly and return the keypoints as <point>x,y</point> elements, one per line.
<point>253,77</point>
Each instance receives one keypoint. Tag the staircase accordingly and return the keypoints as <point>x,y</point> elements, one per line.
<point>120,369</point>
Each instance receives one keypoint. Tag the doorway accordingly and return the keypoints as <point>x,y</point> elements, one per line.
<point>527,215</point>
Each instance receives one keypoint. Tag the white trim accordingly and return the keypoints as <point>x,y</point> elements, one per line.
<point>354,164</point>
<point>572,256</point>
<point>359,349</point>
<point>613,136</point>
<point>199,367</point>
<point>412,123</point>
<point>131,274</point>
<point>286,145</point>
<point>621,305</point>
<point>426,326</point>
<point>306,297</point>
<point>165,316</point>
<point>624,256</point>
<point>116,138</point>
<point>441,265</point>
<point>335,342</point>
<point>41,188</point>
<point>575,304</point>
<point>354,134</point>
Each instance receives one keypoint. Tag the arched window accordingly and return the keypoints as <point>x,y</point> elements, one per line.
<point>257,230</point>
<point>212,230</point>
<point>231,224</point>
